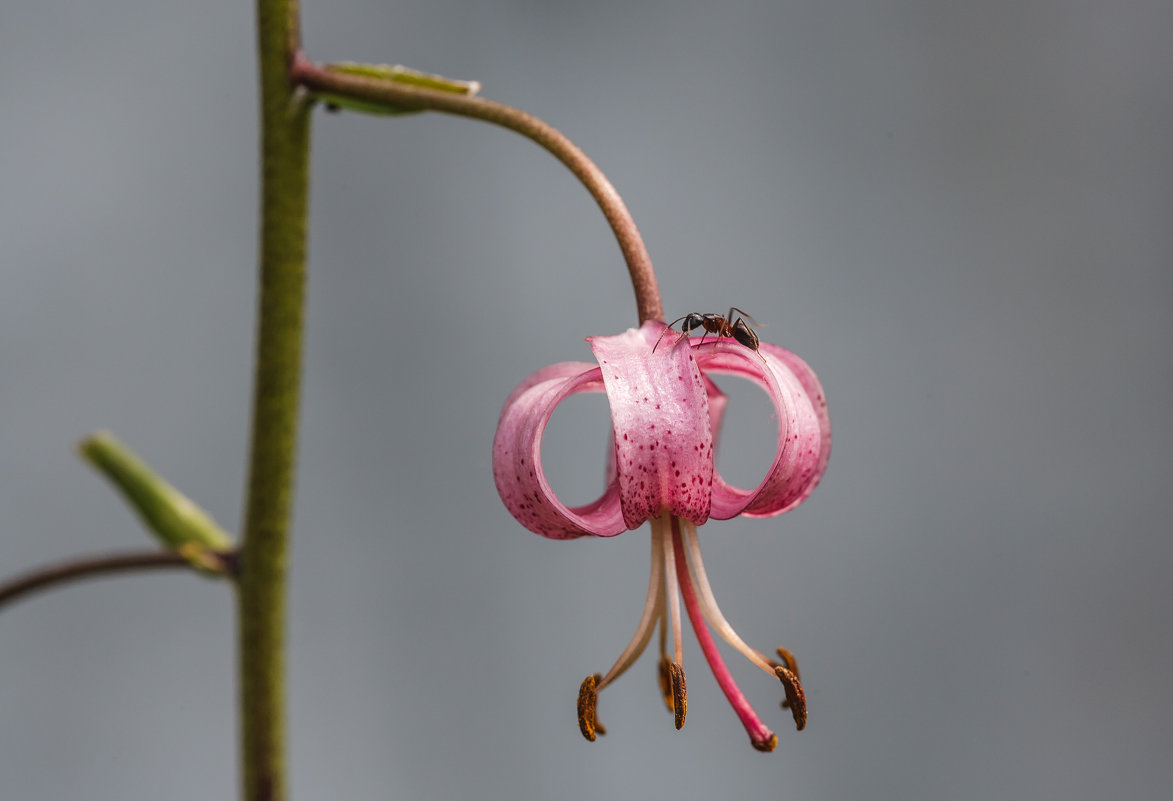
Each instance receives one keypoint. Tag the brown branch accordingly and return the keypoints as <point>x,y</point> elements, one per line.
<point>50,576</point>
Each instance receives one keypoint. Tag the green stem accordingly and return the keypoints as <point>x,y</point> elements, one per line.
<point>264,548</point>
<point>405,96</point>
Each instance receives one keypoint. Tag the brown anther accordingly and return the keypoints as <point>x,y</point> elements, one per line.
<point>588,704</point>
<point>679,693</point>
<point>665,679</point>
<point>791,664</point>
<point>767,746</point>
<point>788,660</point>
<point>795,697</point>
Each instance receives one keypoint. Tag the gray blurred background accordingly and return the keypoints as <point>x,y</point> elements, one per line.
<point>959,214</point>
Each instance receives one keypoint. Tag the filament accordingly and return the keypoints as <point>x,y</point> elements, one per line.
<point>672,554</point>
<point>652,610</point>
<point>708,603</point>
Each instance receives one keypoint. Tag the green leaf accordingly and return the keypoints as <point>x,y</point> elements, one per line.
<point>171,516</point>
<point>395,73</point>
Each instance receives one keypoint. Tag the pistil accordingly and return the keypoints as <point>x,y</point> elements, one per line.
<point>786,672</point>
<point>760,736</point>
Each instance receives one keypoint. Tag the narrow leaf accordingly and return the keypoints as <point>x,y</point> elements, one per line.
<point>395,73</point>
<point>171,516</point>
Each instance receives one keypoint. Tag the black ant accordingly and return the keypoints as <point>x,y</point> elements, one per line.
<point>726,325</point>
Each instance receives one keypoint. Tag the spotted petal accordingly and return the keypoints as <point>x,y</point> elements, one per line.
<point>517,463</point>
<point>664,412</point>
<point>660,415</point>
<point>804,429</point>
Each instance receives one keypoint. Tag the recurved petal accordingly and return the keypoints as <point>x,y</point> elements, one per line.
<point>517,462</point>
<point>816,450</point>
<point>804,431</point>
<point>660,415</point>
<point>718,400</point>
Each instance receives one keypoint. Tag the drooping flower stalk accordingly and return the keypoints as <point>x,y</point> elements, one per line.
<point>336,82</point>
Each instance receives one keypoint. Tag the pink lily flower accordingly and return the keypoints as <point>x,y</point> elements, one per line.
<point>665,414</point>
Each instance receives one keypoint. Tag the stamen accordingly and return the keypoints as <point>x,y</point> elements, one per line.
<point>588,693</point>
<point>788,660</point>
<point>679,694</point>
<point>588,708</point>
<point>787,672</point>
<point>674,689</point>
<point>795,697</point>
<point>665,680</point>
<point>673,555</point>
<point>760,736</point>
<point>652,609</point>
<point>665,677</point>
<point>663,609</point>
<point>708,603</point>
<point>672,672</point>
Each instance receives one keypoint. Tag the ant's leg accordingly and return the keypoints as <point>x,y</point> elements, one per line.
<point>669,328</point>
<point>743,315</point>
